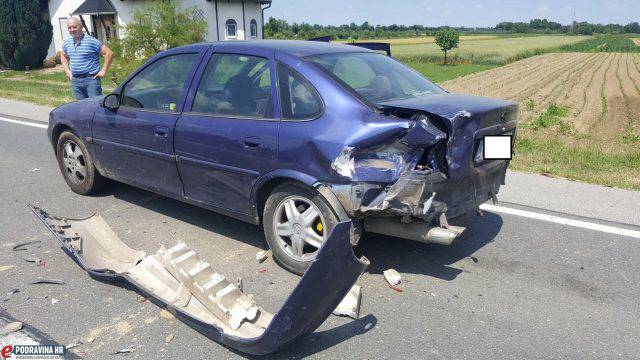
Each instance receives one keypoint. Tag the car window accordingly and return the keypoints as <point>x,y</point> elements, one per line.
<point>354,71</point>
<point>299,98</point>
<point>160,85</point>
<point>375,77</point>
<point>235,85</point>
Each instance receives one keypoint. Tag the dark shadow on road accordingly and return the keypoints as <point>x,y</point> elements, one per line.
<point>384,252</point>
<point>413,257</point>
<point>321,340</point>
<point>205,219</point>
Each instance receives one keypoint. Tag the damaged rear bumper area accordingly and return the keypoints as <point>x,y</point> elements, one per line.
<point>428,171</point>
<point>181,281</point>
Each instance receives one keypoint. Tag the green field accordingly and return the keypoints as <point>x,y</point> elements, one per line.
<point>604,43</point>
<point>439,73</point>
<point>496,51</point>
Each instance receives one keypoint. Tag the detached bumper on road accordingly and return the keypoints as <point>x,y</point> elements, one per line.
<point>186,285</point>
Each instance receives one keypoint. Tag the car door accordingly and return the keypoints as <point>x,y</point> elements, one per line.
<point>228,135</point>
<point>134,143</point>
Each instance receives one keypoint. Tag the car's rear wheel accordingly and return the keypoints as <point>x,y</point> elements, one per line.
<point>297,221</point>
<point>76,165</point>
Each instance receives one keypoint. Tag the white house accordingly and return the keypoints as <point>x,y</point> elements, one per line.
<point>226,19</point>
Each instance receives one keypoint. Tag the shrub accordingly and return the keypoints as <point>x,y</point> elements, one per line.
<point>25,33</point>
<point>159,26</point>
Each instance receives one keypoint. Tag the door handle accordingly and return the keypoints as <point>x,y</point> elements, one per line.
<point>161,131</point>
<point>252,142</point>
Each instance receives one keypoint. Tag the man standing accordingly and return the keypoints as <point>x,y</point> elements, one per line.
<point>81,61</point>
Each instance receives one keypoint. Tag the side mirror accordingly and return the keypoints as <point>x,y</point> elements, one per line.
<point>111,102</point>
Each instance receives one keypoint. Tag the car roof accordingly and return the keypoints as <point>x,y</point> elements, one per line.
<point>298,48</point>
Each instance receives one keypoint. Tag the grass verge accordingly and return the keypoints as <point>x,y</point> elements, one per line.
<point>439,73</point>
<point>539,154</point>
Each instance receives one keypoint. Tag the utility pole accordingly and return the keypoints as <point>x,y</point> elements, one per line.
<point>573,19</point>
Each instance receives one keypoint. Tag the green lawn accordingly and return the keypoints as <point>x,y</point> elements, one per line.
<point>439,73</point>
<point>496,51</point>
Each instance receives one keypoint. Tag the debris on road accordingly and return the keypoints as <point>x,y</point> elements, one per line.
<point>6,267</point>
<point>54,301</point>
<point>13,291</point>
<point>141,299</point>
<point>11,328</point>
<point>34,169</point>
<point>262,271</point>
<point>350,305</point>
<point>125,351</point>
<point>47,281</point>
<point>89,339</point>
<point>262,255</point>
<point>166,315</point>
<point>26,245</point>
<point>191,290</point>
<point>395,288</point>
<point>74,344</point>
<point>392,277</point>
<point>33,259</point>
<point>168,338</point>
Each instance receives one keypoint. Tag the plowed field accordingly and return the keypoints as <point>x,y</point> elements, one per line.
<point>600,90</point>
<point>579,113</point>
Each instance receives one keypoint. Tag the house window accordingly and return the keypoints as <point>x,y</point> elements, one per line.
<point>232,29</point>
<point>64,31</point>
<point>254,28</point>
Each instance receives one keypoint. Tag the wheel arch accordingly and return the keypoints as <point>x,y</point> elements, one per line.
<point>268,182</point>
<point>58,129</point>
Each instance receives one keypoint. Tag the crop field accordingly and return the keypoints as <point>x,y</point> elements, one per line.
<point>579,113</point>
<point>497,50</point>
<point>605,43</point>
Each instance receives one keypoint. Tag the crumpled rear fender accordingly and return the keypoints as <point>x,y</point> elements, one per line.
<point>173,278</point>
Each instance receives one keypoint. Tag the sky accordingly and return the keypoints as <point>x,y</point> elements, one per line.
<point>452,12</point>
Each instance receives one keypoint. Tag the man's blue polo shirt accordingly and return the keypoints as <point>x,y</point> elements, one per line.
<point>84,55</point>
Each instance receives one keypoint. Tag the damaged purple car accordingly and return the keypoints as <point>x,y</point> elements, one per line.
<point>297,136</point>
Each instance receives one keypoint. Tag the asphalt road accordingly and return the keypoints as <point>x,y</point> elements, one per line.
<point>511,287</point>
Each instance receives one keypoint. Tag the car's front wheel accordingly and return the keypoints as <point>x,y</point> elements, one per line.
<point>297,221</point>
<point>76,165</point>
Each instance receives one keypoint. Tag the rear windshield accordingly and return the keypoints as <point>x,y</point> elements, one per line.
<point>376,77</point>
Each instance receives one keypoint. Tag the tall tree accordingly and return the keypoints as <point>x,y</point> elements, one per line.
<point>25,33</point>
<point>447,39</point>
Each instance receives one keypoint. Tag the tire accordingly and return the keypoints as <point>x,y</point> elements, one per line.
<point>76,165</point>
<point>286,248</point>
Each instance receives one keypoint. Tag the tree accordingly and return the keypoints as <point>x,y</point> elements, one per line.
<point>25,33</point>
<point>632,28</point>
<point>159,26</point>
<point>447,39</point>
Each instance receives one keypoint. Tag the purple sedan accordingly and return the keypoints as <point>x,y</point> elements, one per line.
<point>297,136</point>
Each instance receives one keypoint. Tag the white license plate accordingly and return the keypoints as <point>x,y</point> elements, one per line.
<point>497,147</point>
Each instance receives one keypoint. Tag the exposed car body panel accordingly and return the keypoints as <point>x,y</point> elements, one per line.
<point>172,278</point>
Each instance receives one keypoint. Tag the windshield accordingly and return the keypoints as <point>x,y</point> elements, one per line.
<point>376,77</point>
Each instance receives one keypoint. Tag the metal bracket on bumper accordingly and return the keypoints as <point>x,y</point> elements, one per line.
<point>186,285</point>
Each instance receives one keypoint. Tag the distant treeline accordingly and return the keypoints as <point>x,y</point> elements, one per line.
<point>577,28</point>
<point>281,29</point>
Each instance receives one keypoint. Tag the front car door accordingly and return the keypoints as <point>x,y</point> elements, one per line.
<point>134,144</point>
<point>228,135</point>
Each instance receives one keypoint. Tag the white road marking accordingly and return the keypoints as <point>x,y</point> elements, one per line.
<point>561,220</point>
<point>42,126</point>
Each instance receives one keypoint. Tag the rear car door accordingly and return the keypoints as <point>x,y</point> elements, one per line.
<point>134,143</point>
<point>228,135</point>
